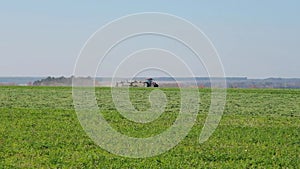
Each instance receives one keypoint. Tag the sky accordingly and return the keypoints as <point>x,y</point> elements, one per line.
<point>254,38</point>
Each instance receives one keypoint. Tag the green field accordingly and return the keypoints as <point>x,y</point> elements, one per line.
<point>260,129</point>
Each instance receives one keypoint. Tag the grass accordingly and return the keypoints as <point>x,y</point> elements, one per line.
<point>39,129</point>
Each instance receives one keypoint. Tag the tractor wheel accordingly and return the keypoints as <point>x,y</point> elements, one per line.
<point>147,84</point>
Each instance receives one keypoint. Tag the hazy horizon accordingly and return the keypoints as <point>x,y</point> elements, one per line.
<point>138,77</point>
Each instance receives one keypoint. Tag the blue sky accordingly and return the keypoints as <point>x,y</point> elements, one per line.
<point>254,38</point>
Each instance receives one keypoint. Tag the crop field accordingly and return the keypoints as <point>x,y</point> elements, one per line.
<point>260,128</point>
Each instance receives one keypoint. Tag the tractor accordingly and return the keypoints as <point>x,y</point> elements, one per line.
<point>150,83</point>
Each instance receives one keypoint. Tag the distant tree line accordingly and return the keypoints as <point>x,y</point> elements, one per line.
<point>52,81</point>
<point>64,81</point>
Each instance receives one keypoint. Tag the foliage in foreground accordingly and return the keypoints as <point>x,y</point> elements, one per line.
<point>39,128</point>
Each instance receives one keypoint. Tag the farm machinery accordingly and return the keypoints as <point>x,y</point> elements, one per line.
<point>150,83</point>
<point>147,83</point>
